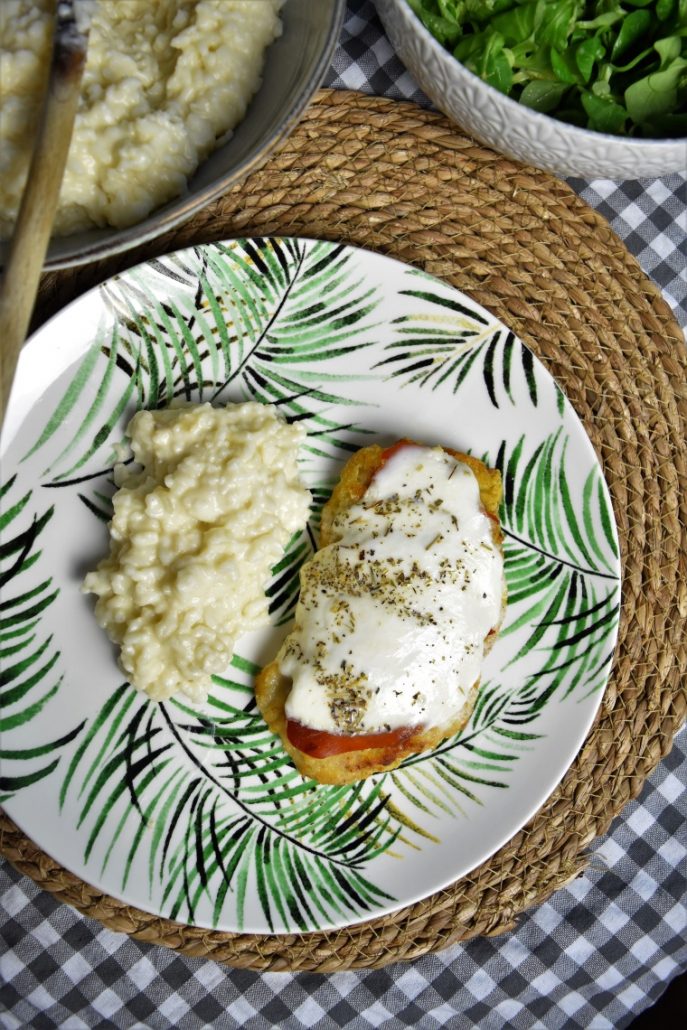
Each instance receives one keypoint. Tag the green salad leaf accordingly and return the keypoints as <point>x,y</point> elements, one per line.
<point>615,66</point>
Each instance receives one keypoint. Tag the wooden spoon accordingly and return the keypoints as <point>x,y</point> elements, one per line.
<point>32,230</point>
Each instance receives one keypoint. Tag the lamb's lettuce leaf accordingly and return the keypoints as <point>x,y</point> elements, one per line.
<point>617,66</point>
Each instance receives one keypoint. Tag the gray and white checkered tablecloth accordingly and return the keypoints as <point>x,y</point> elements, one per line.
<point>595,955</point>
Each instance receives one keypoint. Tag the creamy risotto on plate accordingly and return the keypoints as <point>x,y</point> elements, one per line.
<point>165,82</point>
<point>198,524</point>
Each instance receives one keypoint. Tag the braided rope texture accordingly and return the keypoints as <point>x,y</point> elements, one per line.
<point>396,179</point>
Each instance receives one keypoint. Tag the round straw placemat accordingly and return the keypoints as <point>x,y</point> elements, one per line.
<point>396,179</point>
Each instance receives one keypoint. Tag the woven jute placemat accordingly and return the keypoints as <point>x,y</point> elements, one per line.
<point>396,179</point>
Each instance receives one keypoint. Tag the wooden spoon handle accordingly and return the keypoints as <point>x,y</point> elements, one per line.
<point>39,200</point>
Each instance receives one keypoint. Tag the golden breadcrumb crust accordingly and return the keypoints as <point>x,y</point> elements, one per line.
<point>272,689</point>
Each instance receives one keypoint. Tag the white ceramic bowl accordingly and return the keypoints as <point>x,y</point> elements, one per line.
<point>297,63</point>
<point>513,129</point>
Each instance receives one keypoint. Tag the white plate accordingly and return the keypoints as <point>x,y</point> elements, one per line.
<point>197,814</point>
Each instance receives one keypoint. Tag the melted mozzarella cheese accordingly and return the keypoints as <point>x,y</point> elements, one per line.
<point>392,618</point>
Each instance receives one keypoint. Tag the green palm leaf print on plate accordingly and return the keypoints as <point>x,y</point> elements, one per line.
<point>30,677</point>
<point>560,569</point>
<point>196,812</point>
<point>221,807</point>
<point>443,339</point>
